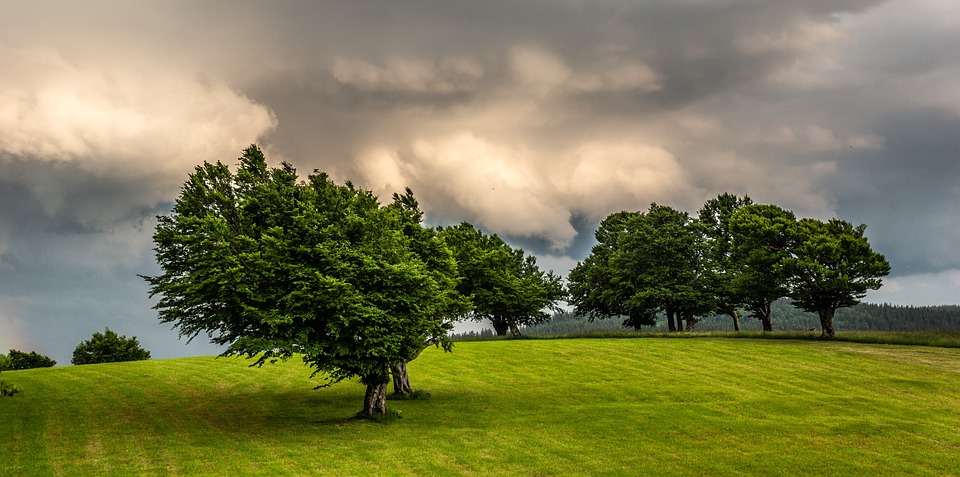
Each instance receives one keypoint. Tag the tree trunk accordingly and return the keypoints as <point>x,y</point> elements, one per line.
<point>671,324</point>
<point>500,327</point>
<point>826,322</point>
<point>375,400</point>
<point>401,380</point>
<point>766,317</point>
<point>513,327</point>
<point>691,322</point>
<point>735,314</point>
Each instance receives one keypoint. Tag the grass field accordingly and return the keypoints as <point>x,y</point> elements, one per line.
<point>706,406</point>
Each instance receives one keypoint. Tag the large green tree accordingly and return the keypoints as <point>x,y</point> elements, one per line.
<point>714,217</point>
<point>644,263</point>
<point>504,284</point>
<point>831,266</point>
<point>762,239</point>
<point>108,347</point>
<point>599,290</point>
<point>271,266</point>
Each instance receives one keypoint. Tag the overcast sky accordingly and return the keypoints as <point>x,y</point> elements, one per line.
<point>532,119</point>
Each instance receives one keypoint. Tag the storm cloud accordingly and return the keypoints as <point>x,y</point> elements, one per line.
<point>532,119</point>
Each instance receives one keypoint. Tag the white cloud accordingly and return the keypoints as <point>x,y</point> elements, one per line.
<point>606,176</point>
<point>110,117</point>
<point>469,178</point>
<point>942,288</point>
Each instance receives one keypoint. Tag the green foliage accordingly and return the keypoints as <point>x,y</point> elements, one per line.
<point>644,263</point>
<point>272,266</point>
<point>831,266</point>
<point>762,241</point>
<point>4,362</point>
<point>714,218</point>
<point>108,347</point>
<point>504,284</point>
<point>8,389</point>
<point>20,360</point>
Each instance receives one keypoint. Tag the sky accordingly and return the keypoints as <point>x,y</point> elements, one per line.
<point>533,119</point>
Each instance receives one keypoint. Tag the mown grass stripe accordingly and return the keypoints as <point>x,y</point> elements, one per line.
<point>706,406</point>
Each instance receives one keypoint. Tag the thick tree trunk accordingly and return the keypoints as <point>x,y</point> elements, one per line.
<point>671,324</point>
<point>375,400</point>
<point>766,317</point>
<point>514,330</point>
<point>826,322</point>
<point>735,314</point>
<point>500,327</point>
<point>691,322</point>
<point>401,380</point>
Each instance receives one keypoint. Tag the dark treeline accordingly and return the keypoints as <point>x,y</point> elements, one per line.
<point>861,317</point>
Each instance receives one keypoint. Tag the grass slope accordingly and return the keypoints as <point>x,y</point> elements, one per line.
<point>707,406</point>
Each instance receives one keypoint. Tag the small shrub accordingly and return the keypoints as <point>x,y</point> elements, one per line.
<point>8,389</point>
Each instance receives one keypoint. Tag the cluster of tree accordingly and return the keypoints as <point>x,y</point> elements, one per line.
<point>270,265</point>
<point>734,255</point>
<point>16,360</point>
<point>504,284</point>
<point>108,347</point>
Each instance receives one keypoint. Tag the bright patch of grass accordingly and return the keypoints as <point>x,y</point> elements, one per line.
<point>707,406</point>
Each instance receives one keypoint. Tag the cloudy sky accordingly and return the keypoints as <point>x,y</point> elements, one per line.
<point>530,118</point>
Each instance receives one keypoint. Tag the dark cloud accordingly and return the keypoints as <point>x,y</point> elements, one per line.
<point>531,119</point>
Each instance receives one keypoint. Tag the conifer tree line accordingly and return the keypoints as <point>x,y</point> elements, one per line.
<point>734,255</point>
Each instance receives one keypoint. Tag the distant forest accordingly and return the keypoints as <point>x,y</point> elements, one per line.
<point>786,317</point>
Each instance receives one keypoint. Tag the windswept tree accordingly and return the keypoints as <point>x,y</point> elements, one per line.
<point>714,217</point>
<point>271,266</point>
<point>762,241</point>
<point>504,284</point>
<point>832,266</point>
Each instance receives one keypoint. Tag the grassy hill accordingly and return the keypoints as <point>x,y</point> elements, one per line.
<point>706,406</point>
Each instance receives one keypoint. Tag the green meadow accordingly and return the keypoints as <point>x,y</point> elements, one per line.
<point>704,406</point>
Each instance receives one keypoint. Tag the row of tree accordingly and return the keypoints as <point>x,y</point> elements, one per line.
<point>106,347</point>
<point>270,265</point>
<point>735,255</point>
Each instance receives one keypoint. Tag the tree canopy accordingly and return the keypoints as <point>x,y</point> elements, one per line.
<point>17,359</point>
<point>644,263</point>
<point>761,240</point>
<point>504,284</point>
<point>831,266</point>
<point>270,265</point>
<point>109,347</point>
<point>735,255</point>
